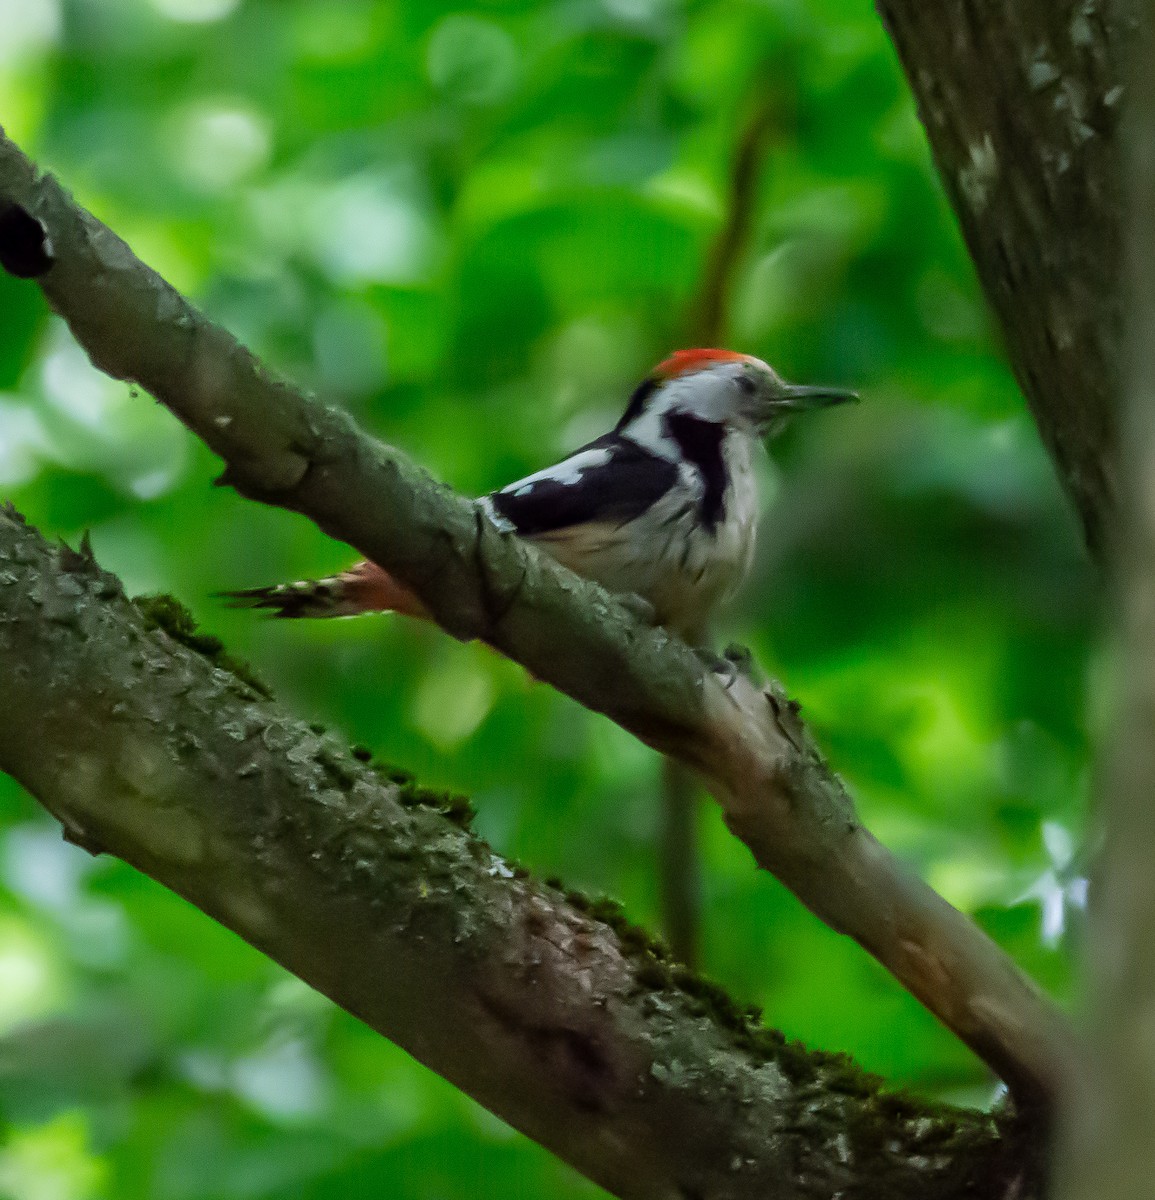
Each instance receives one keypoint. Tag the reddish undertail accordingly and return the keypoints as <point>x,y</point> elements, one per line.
<point>364,588</point>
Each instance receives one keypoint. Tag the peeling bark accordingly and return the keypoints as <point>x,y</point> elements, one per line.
<point>576,1031</point>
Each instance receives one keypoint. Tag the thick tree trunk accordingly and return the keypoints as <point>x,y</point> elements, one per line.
<point>577,1031</point>
<point>1023,103</point>
<point>1021,100</point>
<point>1110,1120</point>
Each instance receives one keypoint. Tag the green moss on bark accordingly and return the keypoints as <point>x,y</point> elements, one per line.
<point>168,614</point>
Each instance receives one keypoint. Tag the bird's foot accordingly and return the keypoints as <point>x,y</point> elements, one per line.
<point>638,606</point>
<point>734,662</point>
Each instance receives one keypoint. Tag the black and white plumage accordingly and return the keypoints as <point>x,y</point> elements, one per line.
<point>664,506</point>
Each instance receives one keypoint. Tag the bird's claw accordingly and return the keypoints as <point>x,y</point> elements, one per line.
<point>639,607</point>
<point>717,664</point>
<point>742,659</point>
<point>733,662</point>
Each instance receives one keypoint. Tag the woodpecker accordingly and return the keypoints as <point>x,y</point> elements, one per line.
<point>664,506</point>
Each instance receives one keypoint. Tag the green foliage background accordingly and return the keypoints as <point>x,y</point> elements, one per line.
<point>478,227</point>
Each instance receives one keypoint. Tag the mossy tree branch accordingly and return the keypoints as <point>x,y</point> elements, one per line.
<point>778,794</point>
<point>576,1029</point>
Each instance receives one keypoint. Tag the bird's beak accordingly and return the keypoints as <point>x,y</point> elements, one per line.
<point>798,398</point>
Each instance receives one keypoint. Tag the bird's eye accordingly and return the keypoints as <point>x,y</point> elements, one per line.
<point>746,384</point>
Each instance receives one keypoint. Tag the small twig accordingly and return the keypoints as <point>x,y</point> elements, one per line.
<point>679,862</point>
<point>709,318</point>
<point>679,849</point>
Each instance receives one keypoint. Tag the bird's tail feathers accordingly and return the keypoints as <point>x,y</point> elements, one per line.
<point>361,589</point>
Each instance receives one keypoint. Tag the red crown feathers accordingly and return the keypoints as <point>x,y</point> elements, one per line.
<point>684,362</point>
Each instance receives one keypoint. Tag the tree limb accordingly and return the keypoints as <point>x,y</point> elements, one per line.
<point>777,793</point>
<point>578,1032</point>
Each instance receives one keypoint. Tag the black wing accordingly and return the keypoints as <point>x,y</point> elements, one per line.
<point>612,479</point>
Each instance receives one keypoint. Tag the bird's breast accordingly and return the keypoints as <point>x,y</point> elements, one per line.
<point>684,565</point>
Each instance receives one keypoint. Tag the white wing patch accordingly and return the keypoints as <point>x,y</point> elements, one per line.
<point>567,472</point>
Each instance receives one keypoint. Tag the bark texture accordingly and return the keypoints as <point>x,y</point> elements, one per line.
<point>778,794</point>
<point>1021,102</point>
<point>577,1031</point>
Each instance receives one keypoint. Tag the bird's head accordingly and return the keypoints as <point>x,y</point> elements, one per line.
<point>736,391</point>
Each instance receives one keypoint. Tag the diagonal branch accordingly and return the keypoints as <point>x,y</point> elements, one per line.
<point>565,1021</point>
<point>777,793</point>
